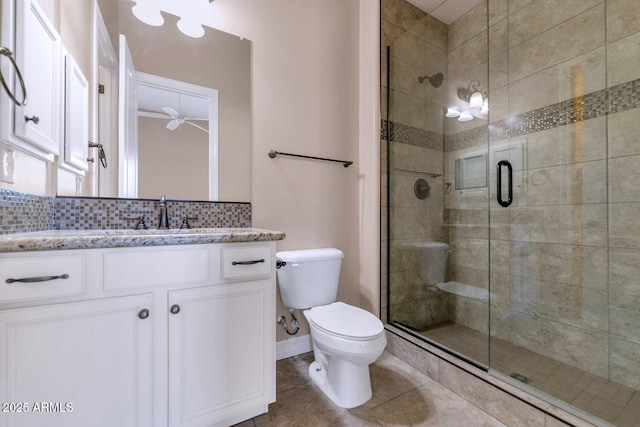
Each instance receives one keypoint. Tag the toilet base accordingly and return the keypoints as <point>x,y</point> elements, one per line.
<point>346,384</point>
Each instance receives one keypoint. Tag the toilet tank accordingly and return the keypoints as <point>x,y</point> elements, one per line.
<point>310,277</point>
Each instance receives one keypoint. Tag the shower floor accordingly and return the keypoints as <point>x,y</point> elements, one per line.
<point>608,400</point>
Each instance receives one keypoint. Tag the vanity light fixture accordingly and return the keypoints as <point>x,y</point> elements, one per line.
<point>485,107</point>
<point>476,100</point>
<point>476,96</point>
<point>473,94</point>
<point>452,112</point>
<point>190,13</point>
<point>465,117</point>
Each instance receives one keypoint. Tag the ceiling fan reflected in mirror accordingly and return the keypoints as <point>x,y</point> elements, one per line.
<point>175,106</point>
<point>175,118</point>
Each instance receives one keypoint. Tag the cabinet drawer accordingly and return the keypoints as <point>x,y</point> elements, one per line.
<point>151,267</point>
<point>248,261</point>
<point>40,273</point>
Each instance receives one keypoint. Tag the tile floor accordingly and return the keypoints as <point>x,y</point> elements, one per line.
<point>605,399</point>
<point>402,396</point>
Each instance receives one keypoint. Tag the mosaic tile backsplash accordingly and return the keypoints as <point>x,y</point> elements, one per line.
<point>74,213</point>
<point>20,212</point>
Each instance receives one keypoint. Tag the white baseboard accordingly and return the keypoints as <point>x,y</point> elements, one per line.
<point>293,347</point>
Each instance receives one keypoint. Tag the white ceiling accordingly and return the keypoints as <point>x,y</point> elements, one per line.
<point>154,98</point>
<point>446,11</point>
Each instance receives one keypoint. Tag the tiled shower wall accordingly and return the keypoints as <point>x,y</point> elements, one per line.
<point>564,256</point>
<point>21,212</point>
<point>415,126</point>
<point>563,79</point>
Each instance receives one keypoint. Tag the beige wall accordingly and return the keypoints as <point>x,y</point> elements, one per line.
<point>167,159</point>
<point>76,20</point>
<point>305,81</point>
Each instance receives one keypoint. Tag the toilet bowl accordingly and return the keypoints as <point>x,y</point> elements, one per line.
<point>346,339</point>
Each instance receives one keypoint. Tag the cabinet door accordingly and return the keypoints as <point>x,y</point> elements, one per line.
<point>39,56</point>
<point>77,364</point>
<point>76,112</point>
<point>221,353</point>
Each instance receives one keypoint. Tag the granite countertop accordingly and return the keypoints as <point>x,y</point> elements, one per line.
<point>92,239</point>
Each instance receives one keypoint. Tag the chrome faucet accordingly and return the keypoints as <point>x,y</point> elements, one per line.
<point>163,222</point>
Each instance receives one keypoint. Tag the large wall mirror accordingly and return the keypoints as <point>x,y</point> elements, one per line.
<point>192,133</point>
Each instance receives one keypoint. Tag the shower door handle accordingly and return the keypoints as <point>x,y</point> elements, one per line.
<point>501,202</point>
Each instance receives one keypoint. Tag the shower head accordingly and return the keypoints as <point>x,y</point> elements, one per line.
<point>435,80</point>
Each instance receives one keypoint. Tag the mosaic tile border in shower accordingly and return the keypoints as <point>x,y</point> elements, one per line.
<point>466,139</point>
<point>22,212</point>
<point>616,99</point>
<point>86,213</point>
<point>405,134</point>
<point>619,98</point>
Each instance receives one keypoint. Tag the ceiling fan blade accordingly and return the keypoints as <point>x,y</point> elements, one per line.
<point>197,119</point>
<point>170,111</point>
<point>153,114</point>
<point>173,125</point>
<point>198,126</point>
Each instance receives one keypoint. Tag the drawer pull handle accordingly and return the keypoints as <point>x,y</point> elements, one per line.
<point>257,261</point>
<point>38,279</point>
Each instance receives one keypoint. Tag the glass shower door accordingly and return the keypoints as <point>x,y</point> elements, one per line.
<point>437,222</point>
<point>562,289</point>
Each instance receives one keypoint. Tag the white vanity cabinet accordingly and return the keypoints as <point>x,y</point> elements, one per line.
<point>82,363</point>
<point>221,349</point>
<point>179,335</point>
<point>68,359</point>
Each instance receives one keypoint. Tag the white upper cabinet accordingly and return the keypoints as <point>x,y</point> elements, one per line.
<point>56,118</point>
<point>76,123</point>
<point>38,51</point>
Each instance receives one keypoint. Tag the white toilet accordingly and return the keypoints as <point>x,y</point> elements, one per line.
<point>346,339</point>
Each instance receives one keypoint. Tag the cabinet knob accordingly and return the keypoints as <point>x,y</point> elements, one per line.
<point>34,119</point>
<point>175,309</point>
<point>143,314</point>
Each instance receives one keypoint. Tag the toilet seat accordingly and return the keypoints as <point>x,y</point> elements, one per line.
<point>346,321</point>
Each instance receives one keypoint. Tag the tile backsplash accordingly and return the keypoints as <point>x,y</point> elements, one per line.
<point>21,212</point>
